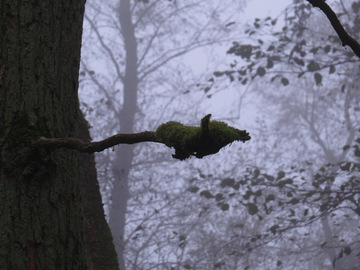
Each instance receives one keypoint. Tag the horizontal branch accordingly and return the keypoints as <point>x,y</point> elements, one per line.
<point>188,141</point>
<point>91,147</point>
<point>346,39</point>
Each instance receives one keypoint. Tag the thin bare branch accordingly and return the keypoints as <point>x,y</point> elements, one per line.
<point>345,38</point>
<point>106,48</point>
<point>103,90</point>
<point>91,147</point>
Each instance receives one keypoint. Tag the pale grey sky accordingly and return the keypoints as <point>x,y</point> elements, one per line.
<point>263,8</point>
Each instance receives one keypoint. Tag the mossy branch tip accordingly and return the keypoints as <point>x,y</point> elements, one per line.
<point>201,141</point>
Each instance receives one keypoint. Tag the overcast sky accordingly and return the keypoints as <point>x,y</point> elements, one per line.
<point>263,8</point>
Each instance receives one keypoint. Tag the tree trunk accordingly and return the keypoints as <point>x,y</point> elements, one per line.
<point>41,216</point>
<point>125,153</point>
<point>100,250</point>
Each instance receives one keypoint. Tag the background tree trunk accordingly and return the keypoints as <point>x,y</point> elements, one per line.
<point>124,153</point>
<point>41,216</point>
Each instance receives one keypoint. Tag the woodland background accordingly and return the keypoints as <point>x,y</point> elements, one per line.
<point>289,198</point>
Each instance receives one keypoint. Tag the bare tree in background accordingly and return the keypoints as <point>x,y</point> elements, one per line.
<point>310,100</point>
<point>138,42</point>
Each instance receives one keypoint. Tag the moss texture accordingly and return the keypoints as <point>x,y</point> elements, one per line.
<point>201,141</point>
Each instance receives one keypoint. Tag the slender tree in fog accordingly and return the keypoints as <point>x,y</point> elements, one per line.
<point>141,45</point>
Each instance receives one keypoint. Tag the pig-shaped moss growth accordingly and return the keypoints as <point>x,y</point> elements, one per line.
<point>201,141</point>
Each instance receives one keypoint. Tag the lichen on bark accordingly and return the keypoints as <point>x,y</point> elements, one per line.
<point>201,141</point>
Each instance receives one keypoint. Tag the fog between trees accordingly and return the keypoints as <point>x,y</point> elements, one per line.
<point>288,199</point>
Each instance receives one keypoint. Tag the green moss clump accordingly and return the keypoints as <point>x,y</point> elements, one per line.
<point>201,141</point>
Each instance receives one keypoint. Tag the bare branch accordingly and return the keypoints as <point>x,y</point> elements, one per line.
<point>103,90</point>
<point>345,38</point>
<point>188,141</point>
<point>91,147</point>
<point>106,48</point>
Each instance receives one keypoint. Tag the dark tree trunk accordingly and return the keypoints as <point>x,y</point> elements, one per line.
<point>100,250</point>
<point>41,217</point>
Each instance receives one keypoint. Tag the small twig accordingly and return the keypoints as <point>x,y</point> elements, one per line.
<point>345,38</point>
<point>91,147</point>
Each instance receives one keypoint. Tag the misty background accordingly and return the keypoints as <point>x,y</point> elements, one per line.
<point>288,198</point>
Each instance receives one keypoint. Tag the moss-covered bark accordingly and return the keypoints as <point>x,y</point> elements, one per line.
<point>41,217</point>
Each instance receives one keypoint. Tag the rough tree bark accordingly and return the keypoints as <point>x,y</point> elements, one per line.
<point>41,220</point>
<point>100,250</point>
